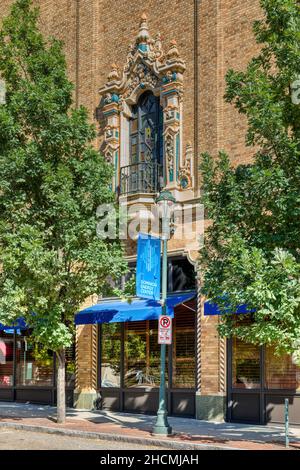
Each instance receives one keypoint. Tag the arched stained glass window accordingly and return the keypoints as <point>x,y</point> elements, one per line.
<point>144,173</point>
<point>146,130</point>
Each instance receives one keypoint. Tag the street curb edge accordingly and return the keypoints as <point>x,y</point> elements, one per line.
<point>115,437</point>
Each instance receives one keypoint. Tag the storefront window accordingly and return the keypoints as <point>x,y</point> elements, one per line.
<point>142,355</point>
<point>153,355</point>
<point>280,372</point>
<point>34,363</point>
<point>6,359</point>
<point>245,365</point>
<point>184,350</point>
<point>110,354</point>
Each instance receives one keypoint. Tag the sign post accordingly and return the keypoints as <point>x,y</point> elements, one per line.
<point>165,202</point>
<point>286,421</point>
<point>148,286</point>
<point>165,329</point>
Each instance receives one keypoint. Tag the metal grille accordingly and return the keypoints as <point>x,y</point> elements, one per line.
<point>143,177</point>
<point>184,362</point>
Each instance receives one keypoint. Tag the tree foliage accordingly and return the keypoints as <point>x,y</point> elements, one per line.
<point>51,182</point>
<point>252,249</point>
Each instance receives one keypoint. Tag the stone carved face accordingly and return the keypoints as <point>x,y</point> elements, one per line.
<point>295,91</point>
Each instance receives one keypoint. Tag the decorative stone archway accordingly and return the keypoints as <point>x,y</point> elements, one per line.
<point>147,67</point>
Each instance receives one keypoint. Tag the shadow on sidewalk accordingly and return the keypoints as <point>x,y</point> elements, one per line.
<point>185,429</point>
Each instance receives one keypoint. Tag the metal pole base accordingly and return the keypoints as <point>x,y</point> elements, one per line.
<point>162,427</point>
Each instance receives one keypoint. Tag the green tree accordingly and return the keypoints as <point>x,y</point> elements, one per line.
<point>51,182</point>
<point>252,247</point>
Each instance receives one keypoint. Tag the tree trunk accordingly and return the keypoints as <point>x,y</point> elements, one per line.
<point>61,389</point>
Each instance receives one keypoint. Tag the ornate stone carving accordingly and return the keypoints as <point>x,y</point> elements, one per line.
<point>186,171</point>
<point>155,48</point>
<point>143,78</point>
<point>145,65</point>
<point>111,98</point>
<point>147,68</point>
<point>171,113</point>
<point>169,152</point>
<point>173,52</point>
<point>113,74</point>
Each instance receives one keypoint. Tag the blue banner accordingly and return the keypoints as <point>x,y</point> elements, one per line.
<point>148,267</point>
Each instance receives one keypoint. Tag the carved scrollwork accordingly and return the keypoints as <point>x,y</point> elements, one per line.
<point>130,58</point>
<point>142,77</point>
<point>155,48</point>
<point>170,157</point>
<point>186,171</point>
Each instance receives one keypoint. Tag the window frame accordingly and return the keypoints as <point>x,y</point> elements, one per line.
<point>138,115</point>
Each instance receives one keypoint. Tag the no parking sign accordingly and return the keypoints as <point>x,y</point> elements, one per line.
<point>165,329</point>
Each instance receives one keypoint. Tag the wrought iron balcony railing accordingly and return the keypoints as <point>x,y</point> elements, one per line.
<point>142,177</point>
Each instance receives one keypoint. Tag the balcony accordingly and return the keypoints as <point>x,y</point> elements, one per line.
<point>142,177</point>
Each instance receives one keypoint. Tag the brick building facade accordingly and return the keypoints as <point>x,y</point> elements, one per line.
<point>187,46</point>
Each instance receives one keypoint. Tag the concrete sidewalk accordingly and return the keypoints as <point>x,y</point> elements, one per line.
<point>137,428</point>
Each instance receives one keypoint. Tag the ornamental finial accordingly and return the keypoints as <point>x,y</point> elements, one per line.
<point>173,52</point>
<point>143,35</point>
<point>113,74</point>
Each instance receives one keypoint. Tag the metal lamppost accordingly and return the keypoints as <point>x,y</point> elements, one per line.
<point>165,202</point>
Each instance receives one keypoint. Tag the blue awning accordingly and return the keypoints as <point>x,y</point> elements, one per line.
<point>18,325</point>
<point>113,311</point>
<point>211,308</point>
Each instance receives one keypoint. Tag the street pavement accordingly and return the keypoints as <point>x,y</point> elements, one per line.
<point>138,428</point>
<point>11,439</point>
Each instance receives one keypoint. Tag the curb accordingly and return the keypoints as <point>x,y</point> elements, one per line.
<point>115,437</point>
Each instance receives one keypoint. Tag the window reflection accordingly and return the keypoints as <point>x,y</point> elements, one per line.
<point>280,371</point>
<point>34,363</point>
<point>245,365</point>
<point>141,358</point>
<point>6,359</point>
<point>110,354</point>
<point>142,355</point>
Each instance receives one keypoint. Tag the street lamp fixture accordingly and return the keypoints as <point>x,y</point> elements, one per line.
<point>165,202</point>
